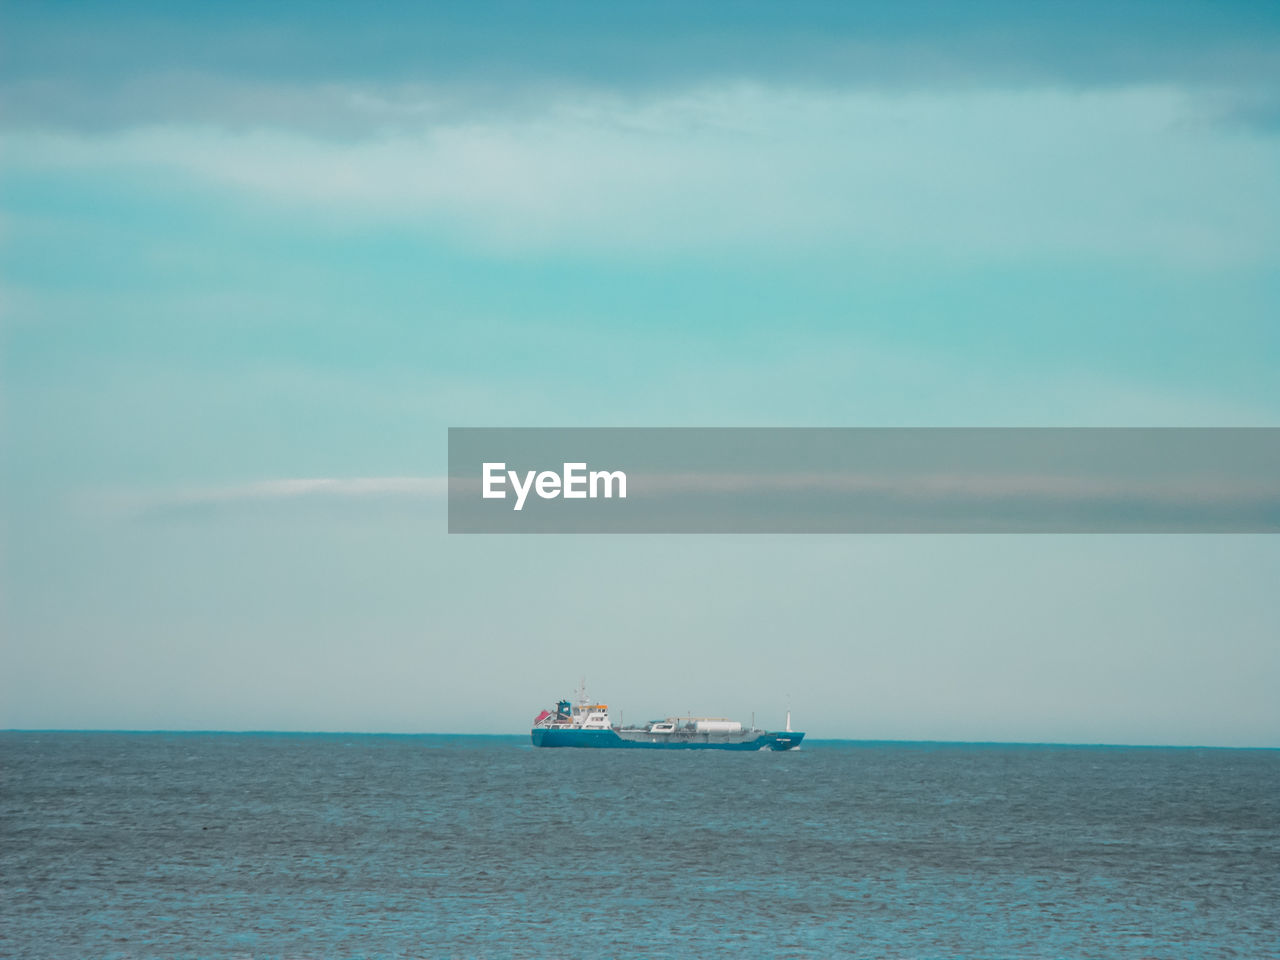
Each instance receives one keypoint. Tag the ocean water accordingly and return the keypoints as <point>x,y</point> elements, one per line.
<point>228,845</point>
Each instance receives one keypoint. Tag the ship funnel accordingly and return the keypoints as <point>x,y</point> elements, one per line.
<point>788,721</point>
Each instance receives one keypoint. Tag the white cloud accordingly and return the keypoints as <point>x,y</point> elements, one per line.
<point>956,488</point>
<point>1127,173</point>
<point>329,486</point>
<point>279,490</point>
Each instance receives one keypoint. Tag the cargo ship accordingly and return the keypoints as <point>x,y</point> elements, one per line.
<point>586,724</point>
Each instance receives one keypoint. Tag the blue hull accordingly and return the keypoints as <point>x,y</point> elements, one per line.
<point>609,739</point>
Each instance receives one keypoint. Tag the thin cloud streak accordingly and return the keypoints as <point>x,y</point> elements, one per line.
<point>803,502</point>
<point>1134,173</point>
<point>948,486</point>
<point>279,491</point>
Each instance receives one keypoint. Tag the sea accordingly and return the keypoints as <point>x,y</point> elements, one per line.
<point>125,845</point>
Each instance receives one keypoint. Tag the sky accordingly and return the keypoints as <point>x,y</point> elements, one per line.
<point>254,262</point>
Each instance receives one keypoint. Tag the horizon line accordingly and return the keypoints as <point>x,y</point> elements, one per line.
<point>808,739</point>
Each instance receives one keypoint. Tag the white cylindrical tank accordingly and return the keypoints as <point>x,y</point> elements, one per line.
<point>717,726</point>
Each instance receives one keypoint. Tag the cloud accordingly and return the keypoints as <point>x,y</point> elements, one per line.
<point>200,499</point>
<point>310,486</point>
<point>888,502</point>
<point>243,66</point>
<point>969,486</point>
<point>1132,173</point>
